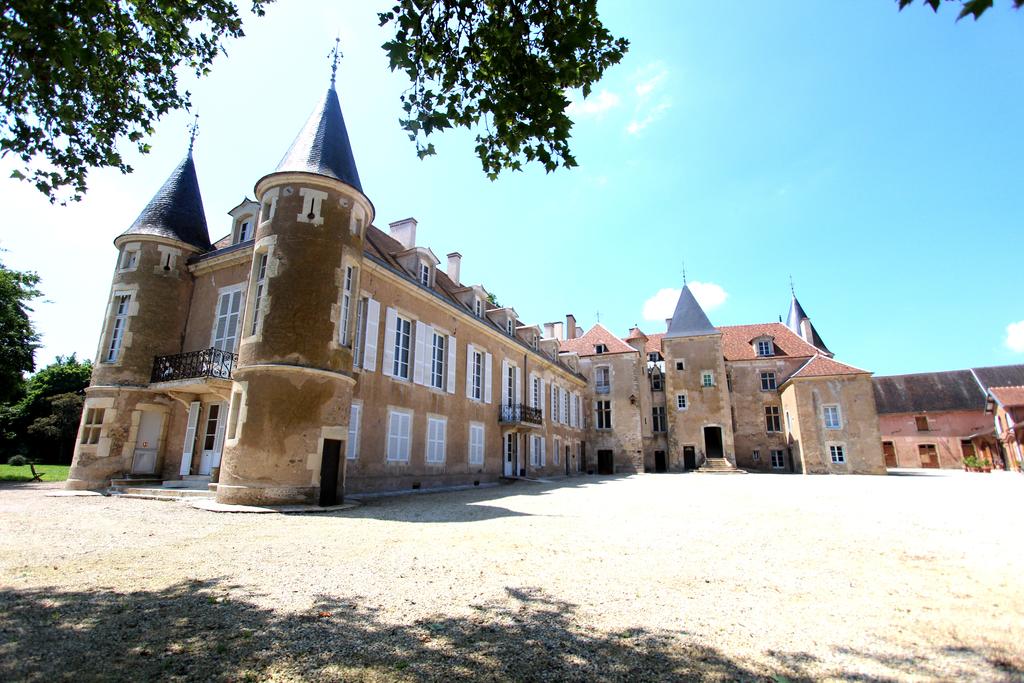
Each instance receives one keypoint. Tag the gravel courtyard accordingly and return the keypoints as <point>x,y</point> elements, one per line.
<point>595,578</point>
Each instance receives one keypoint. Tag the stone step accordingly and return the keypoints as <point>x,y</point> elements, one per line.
<point>136,481</point>
<point>158,492</point>
<point>719,466</point>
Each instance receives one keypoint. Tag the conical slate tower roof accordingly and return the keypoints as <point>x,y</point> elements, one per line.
<point>176,211</point>
<point>794,320</point>
<point>322,146</point>
<point>689,319</point>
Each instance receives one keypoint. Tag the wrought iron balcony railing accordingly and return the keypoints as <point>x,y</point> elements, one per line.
<point>519,413</point>
<point>193,365</point>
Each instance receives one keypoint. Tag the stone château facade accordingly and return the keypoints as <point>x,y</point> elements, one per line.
<point>310,353</point>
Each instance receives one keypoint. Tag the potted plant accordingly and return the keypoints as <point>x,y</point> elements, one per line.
<point>973,463</point>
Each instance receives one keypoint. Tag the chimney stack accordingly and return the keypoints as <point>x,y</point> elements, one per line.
<point>553,331</point>
<point>454,266</point>
<point>405,232</point>
<point>570,326</point>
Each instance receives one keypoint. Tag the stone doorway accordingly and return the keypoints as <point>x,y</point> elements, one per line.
<point>689,458</point>
<point>713,442</point>
<point>660,464</point>
<point>605,462</point>
<point>330,473</point>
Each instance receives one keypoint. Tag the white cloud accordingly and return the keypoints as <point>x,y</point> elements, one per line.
<point>648,108</point>
<point>661,306</point>
<point>638,124</point>
<point>1015,336</point>
<point>647,86</point>
<point>595,105</point>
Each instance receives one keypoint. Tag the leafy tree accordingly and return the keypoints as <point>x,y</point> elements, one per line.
<point>972,8</point>
<point>492,298</point>
<point>57,431</point>
<point>18,337</point>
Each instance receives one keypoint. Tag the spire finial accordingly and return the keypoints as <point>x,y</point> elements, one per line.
<point>193,133</point>
<point>598,314</point>
<point>792,289</point>
<point>335,54</point>
<point>684,273</point>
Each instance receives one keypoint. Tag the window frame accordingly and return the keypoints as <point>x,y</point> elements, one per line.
<point>768,348</point>
<point>837,453</point>
<point>682,401</point>
<point>433,444</point>
<point>438,369</point>
<point>768,380</point>
<point>404,442</point>
<point>707,379</point>
<point>658,420</point>
<point>92,426</point>
<point>403,330</point>
<point>347,294</point>
<point>474,427</point>
<point>477,376</point>
<point>118,325</point>
<point>778,458</point>
<point>773,419</point>
<point>825,410</point>
<point>603,414</point>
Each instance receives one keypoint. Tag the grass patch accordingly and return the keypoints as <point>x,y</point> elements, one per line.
<point>23,473</point>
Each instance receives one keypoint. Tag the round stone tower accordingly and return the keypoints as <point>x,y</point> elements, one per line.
<point>145,317</point>
<point>292,391</point>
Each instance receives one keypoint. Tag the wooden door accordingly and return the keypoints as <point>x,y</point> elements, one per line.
<point>689,458</point>
<point>889,450</point>
<point>659,461</point>
<point>929,455</point>
<point>151,425</point>
<point>605,462</point>
<point>330,473</point>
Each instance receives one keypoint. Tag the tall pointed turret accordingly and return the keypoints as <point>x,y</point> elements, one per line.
<point>689,319</point>
<point>800,323</point>
<point>322,146</point>
<point>176,210</point>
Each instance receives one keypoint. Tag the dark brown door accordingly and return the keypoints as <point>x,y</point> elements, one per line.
<point>929,455</point>
<point>605,462</point>
<point>713,442</point>
<point>659,461</point>
<point>689,458</point>
<point>330,473</point>
<point>889,450</point>
<point>568,453</point>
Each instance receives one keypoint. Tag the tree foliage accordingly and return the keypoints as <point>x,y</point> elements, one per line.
<point>501,68</point>
<point>78,75</point>
<point>18,337</point>
<point>968,8</point>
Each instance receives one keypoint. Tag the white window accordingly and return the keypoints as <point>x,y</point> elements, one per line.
<point>92,425</point>
<point>225,327</point>
<point>832,417</point>
<point>436,433</point>
<point>311,206</point>
<point>130,258</point>
<point>260,292</point>
<point>778,460</point>
<point>511,327</point>
<point>602,379</point>
<point>357,342</point>
<point>402,341</point>
<point>476,443</point>
<point>768,381</point>
<point>399,429</point>
<point>838,453</point>
<point>352,447</point>
<point>478,307</point>
<point>424,274</point>
<point>245,231</point>
<point>346,304</point>
<point>121,304</point>
<point>476,375</point>
<point>565,408</point>
<point>681,402</point>
<point>707,379</point>
<point>756,457</point>
<point>764,348</point>
<point>535,392</point>
<point>438,355</point>
<point>537,455</point>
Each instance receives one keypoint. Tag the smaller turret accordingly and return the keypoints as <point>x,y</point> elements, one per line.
<point>800,323</point>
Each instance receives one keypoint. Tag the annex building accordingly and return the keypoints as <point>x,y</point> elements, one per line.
<point>309,352</point>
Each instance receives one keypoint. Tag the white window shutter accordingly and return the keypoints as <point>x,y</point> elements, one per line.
<point>541,397</point>
<point>519,385</point>
<point>470,351</point>
<point>488,359</point>
<point>530,381</point>
<point>572,410</point>
<point>451,364</point>
<point>543,454</point>
<point>190,438</point>
<point>218,439</point>
<point>390,325</point>
<point>372,327</point>
<point>420,361</point>
<point>554,402</point>
<point>504,382</point>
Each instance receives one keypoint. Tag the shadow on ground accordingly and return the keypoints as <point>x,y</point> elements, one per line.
<point>197,631</point>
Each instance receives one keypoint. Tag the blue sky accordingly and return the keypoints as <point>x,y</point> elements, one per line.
<point>874,155</point>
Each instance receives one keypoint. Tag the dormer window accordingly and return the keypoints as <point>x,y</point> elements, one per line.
<point>511,327</point>
<point>533,342</point>
<point>765,347</point>
<point>654,357</point>
<point>478,307</point>
<point>245,230</point>
<point>600,348</point>
<point>424,274</point>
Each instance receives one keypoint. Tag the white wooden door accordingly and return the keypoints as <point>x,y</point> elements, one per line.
<point>210,458</point>
<point>510,455</point>
<point>151,425</point>
<point>190,438</point>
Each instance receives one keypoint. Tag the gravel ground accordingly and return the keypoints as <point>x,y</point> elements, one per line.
<point>595,578</point>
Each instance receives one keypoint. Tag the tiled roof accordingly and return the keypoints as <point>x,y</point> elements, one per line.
<point>636,333</point>
<point>823,366</point>
<point>1009,397</point>
<point>653,344</point>
<point>598,334</point>
<point>322,146</point>
<point>928,391</point>
<point>176,211</point>
<point>737,341</point>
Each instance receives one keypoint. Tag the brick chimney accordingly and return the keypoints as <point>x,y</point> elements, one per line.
<point>454,266</point>
<point>404,231</point>
<point>570,326</point>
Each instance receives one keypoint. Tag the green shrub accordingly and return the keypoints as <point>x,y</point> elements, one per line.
<point>17,460</point>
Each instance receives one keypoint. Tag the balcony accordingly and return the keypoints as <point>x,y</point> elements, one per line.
<point>518,413</point>
<point>208,363</point>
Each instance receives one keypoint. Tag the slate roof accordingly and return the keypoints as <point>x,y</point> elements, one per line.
<point>823,366</point>
<point>928,391</point>
<point>689,319</point>
<point>1008,397</point>
<point>796,316</point>
<point>1000,376</point>
<point>598,334</point>
<point>176,210</point>
<point>322,146</point>
<point>737,341</point>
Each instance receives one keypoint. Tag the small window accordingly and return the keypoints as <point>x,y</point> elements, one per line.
<point>476,443</point>
<point>837,453</point>
<point>236,404</point>
<point>267,210</point>
<point>604,414</point>
<point>602,380</point>
<point>403,328</point>
<point>772,419</point>
<point>922,423</point>
<point>681,402</point>
<point>778,460</point>
<point>680,365</point>
<point>424,275</point>
<point>352,446</point>
<point>600,348</point>
<point>657,383</point>
<point>478,375</point>
<point>399,429</point>
<point>768,381</point>
<point>478,307</point>
<point>765,348</point>
<point>259,292</point>
<point>346,303</point>
<point>436,428</point>
<point>120,321</point>
<point>245,231</point>
<point>653,357</point>
<point>707,379</point>
<point>357,342</point>
<point>832,418</point>
<point>92,425</point>
<point>510,326</point>
<point>756,455</point>
<point>534,342</point>
<point>130,259</point>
